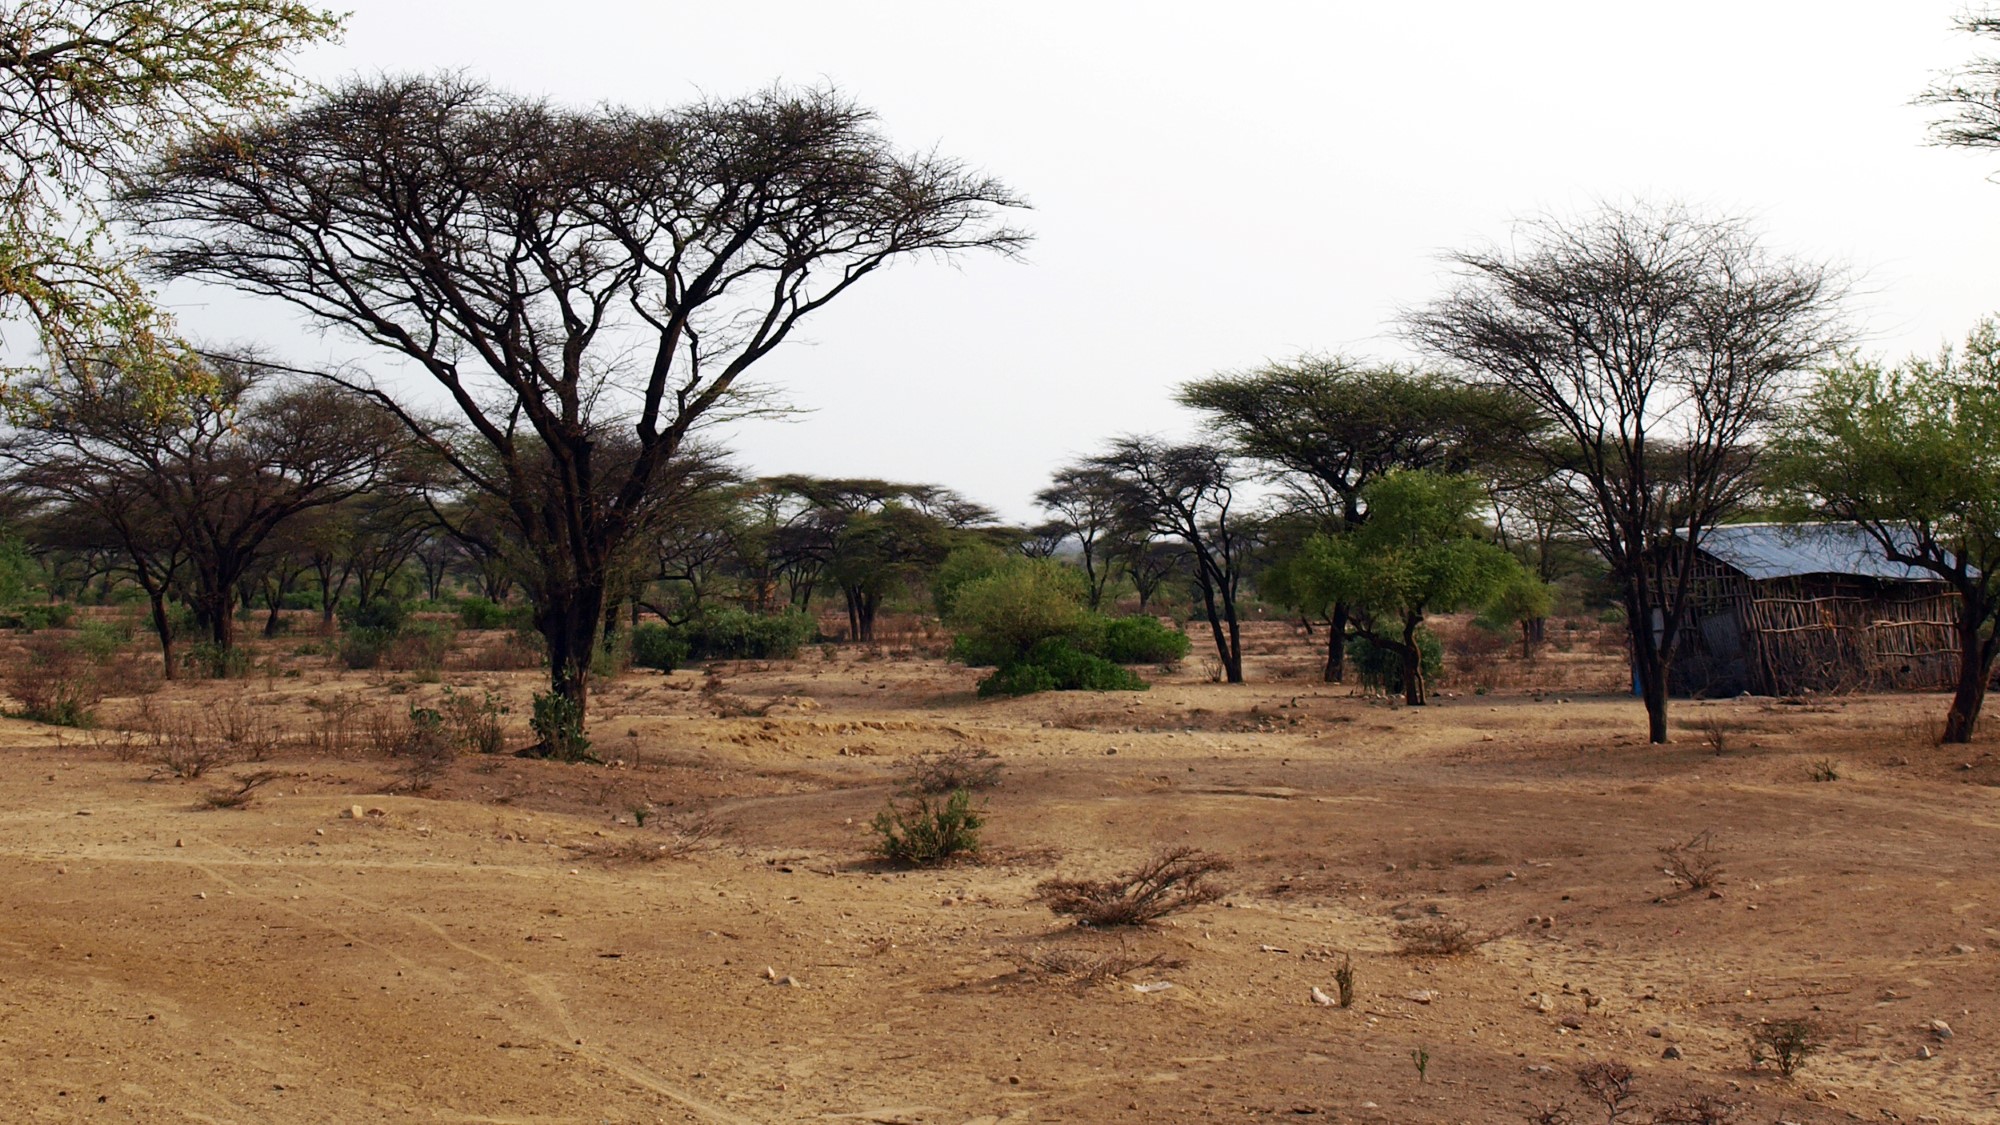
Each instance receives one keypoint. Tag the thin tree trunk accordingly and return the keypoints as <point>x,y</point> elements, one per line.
<point>1336,646</point>
<point>163,624</point>
<point>1413,665</point>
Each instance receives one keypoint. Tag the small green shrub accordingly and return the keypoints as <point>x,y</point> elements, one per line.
<point>362,648</point>
<point>656,646</point>
<point>924,830</point>
<point>558,726</point>
<point>1003,615</point>
<point>102,640</point>
<point>377,613</point>
<point>1020,679</point>
<point>212,661</point>
<point>479,613</point>
<point>1142,640</point>
<point>37,616</point>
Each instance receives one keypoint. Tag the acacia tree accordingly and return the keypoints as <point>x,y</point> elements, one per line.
<point>1970,98</point>
<point>1911,455</point>
<point>83,85</point>
<point>1658,345</point>
<point>1085,502</point>
<point>207,480</point>
<point>561,274</point>
<point>1188,492</point>
<point>1417,554</point>
<point>1325,427</point>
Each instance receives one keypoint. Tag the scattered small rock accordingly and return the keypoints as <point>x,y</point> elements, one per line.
<point>1925,1053</point>
<point>1654,1033</point>
<point>1939,1028</point>
<point>1962,949</point>
<point>1152,987</point>
<point>1574,1023</point>
<point>1422,996</point>
<point>1672,1052</point>
<point>1322,999</point>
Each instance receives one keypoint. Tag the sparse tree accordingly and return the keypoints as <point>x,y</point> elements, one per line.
<point>1188,493</point>
<point>1911,455</point>
<point>1085,501</point>
<point>563,275</point>
<point>1659,345</point>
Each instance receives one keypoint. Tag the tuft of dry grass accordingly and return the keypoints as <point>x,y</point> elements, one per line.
<point>682,835</point>
<point>1437,937</point>
<point>1173,880</point>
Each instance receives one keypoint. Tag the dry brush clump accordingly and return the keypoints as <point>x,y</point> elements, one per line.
<point>1785,1044</point>
<point>240,796</point>
<point>683,835</point>
<point>56,681</point>
<point>1173,880</point>
<point>942,771</point>
<point>1081,968</point>
<point>1695,863</point>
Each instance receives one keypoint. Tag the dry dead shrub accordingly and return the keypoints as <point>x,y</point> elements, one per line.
<point>55,681</point>
<point>1715,732</point>
<point>1172,880</point>
<point>512,651</point>
<point>180,748</point>
<point>239,797</point>
<point>1609,1084</point>
<point>1700,1109</point>
<point>425,748</point>
<point>337,732</point>
<point>683,835</point>
<point>1695,862</point>
<point>1437,937</point>
<point>251,737</point>
<point>942,771</point>
<point>1081,968</point>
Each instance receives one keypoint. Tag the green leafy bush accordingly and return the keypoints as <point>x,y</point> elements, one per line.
<point>1141,640</point>
<point>558,725</point>
<point>1001,616</point>
<point>363,648</point>
<point>378,613</point>
<point>924,831</point>
<point>1056,665</point>
<point>728,633</point>
<point>37,616</point>
<point>1381,669</point>
<point>211,660</point>
<point>479,613</point>
<point>657,646</point>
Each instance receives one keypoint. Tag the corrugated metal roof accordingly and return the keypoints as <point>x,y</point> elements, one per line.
<point>1788,550</point>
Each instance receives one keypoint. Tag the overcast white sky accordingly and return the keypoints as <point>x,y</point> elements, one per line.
<point>1216,186</point>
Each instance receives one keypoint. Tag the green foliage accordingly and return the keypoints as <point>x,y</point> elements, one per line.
<point>1006,613</point>
<point>89,82</point>
<point>1380,668</point>
<point>37,616</point>
<point>729,633</point>
<point>212,661</point>
<point>924,830</point>
<point>363,648</point>
<point>1521,597</point>
<point>385,614</point>
<point>966,564</point>
<point>558,725</point>
<point>657,646</point>
<point>613,655</point>
<point>1057,665</point>
<point>102,640</point>
<point>479,613</point>
<point>1141,640</point>
<point>18,570</point>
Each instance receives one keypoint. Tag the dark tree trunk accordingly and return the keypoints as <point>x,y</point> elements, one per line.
<point>156,598</point>
<point>569,620</point>
<point>1975,665</point>
<point>1336,646</point>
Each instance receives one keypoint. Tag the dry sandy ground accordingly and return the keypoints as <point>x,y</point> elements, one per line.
<point>463,957</point>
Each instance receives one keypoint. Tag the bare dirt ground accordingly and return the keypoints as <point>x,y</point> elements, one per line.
<point>481,953</point>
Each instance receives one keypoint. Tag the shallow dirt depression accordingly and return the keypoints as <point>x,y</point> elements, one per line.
<point>511,945</point>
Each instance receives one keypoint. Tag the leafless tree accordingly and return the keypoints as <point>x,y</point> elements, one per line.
<point>562,274</point>
<point>1969,98</point>
<point>1659,344</point>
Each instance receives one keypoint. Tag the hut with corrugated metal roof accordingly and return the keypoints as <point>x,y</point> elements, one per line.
<point>1780,609</point>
